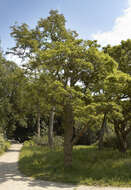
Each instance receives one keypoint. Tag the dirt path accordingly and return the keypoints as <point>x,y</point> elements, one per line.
<point>11,179</point>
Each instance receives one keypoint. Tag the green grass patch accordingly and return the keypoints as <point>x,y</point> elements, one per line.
<point>90,166</point>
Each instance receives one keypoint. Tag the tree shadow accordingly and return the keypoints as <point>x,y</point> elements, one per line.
<point>9,173</point>
<point>89,165</point>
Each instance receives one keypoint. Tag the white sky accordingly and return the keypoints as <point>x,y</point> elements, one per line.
<point>14,58</point>
<point>120,31</point>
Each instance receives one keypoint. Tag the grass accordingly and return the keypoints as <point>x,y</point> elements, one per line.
<point>4,147</point>
<point>90,166</point>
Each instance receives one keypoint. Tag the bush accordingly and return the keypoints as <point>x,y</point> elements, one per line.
<point>58,140</point>
<point>2,142</point>
<point>43,140</point>
<point>29,143</point>
<point>110,141</point>
<point>4,145</point>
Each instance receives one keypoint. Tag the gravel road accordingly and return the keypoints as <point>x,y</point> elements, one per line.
<point>12,179</point>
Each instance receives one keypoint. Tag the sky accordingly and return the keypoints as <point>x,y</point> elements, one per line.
<point>107,21</point>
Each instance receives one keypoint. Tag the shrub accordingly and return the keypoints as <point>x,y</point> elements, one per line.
<point>4,145</point>
<point>58,141</point>
<point>29,143</point>
<point>43,140</point>
<point>110,141</point>
<point>2,142</point>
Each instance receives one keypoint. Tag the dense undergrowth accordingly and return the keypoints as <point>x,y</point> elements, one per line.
<point>90,166</point>
<point>4,145</point>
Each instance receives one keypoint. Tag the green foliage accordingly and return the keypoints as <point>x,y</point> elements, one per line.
<point>11,96</point>
<point>2,141</point>
<point>110,141</point>
<point>65,70</point>
<point>4,145</point>
<point>90,166</point>
<point>58,141</point>
<point>129,140</point>
<point>121,53</point>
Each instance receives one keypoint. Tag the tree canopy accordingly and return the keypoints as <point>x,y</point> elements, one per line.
<point>63,74</point>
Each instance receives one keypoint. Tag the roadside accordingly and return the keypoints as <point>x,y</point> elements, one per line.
<point>11,178</point>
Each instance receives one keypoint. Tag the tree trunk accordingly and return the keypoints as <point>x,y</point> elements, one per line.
<point>38,124</point>
<point>124,145</point>
<point>50,129</point>
<point>100,143</point>
<point>68,134</point>
<point>122,142</point>
<point>79,135</point>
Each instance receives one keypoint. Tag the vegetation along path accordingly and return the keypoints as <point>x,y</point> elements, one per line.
<point>10,177</point>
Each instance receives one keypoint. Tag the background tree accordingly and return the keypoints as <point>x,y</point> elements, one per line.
<point>120,87</point>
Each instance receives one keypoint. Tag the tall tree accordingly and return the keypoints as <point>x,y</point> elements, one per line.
<point>76,67</point>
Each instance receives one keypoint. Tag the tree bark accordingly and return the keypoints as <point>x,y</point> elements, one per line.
<point>100,143</point>
<point>80,134</point>
<point>68,134</point>
<point>122,141</point>
<point>50,129</point>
